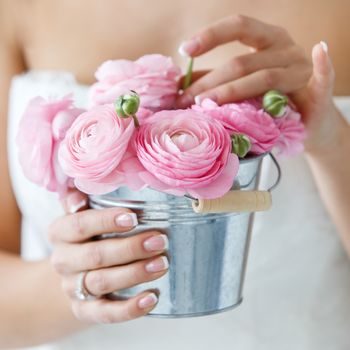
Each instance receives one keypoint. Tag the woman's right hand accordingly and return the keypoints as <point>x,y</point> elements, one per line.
<point>112,264</point>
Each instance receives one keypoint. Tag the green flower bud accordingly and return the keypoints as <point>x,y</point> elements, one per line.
<point>127,105</point>
<point>275,103</point>
<point>240,145</point>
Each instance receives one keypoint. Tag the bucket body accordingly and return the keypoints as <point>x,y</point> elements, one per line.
<point>207,252</point>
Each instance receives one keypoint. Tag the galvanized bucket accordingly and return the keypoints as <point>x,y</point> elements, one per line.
<point>207,252</point>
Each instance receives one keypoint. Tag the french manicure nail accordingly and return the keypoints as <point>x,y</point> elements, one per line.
<point>324,46</point>
<point>154,243</point>
<point>148,301</point>
<point>158,265</point>
<point>189,47</point>
<point>126,220</point>
<point>197,100</point>
<point>75,202</point>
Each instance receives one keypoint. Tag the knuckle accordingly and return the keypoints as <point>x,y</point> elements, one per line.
<point>138,273</point>
<point>131,311</point>
<point>226,92</point>
<point>52,231</point>
<point>239,66</point>
<point>94,255</point>
<point>238,19</point>
<point>209,35</point>
<point>99,281</point>
<point>132,248</point>
<point>58,262</point>
<point>107,317</point>
<point>271,78</point>
<point>281,32</point>
<point>106,221</point>
<point>76,221</point>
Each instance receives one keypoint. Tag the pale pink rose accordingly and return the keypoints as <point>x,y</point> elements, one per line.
<point>41,130</point>
<point>184,151</point>
<point>153,77</point>
<point>292,134</point>
<point>94,150</point>
<point>245,118</point>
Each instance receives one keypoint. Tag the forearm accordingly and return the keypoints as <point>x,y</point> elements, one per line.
<point>33,307</point>
<point>331,170</point>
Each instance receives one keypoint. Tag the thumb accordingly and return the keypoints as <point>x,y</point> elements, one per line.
<point>74,201</point>
<point>322,81</point>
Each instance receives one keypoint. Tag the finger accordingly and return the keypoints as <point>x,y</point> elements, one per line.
<point>73,258</point>
<point>195,76</point>
<point>247,30</point>
<point>239,67</point>
<point>83,225</point>
<point>106,311</point>
<point>257,83</point>
<point>104,281</point>
<point>323,72</point>
<point>74,201</point>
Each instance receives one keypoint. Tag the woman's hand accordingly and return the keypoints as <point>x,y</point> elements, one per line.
<point>112,264</point>
<point>275,62</point>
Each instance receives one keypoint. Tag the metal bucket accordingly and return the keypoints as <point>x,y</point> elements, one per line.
<point>207,252</point>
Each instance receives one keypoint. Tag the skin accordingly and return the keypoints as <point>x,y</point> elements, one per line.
<point>59,35</point>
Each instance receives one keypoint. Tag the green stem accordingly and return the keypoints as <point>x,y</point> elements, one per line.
<point>136,121</point>
<point>188,76</point>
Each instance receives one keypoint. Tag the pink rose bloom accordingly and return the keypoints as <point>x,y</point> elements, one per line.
<point>292,133</point>
<point>41,130</point>
<point>95,149</point>
<point>153,77</point>
<point>184,151</point>
<point>245,118</point>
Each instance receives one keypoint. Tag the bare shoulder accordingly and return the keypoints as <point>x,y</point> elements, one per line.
<point>11,63</point>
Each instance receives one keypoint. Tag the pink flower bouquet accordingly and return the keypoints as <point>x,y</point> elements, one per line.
<point>133,136</point>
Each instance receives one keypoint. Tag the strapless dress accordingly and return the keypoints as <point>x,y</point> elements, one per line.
<point>297,288</point>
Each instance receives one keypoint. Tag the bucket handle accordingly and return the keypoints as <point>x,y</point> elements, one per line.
<point>238,201</point>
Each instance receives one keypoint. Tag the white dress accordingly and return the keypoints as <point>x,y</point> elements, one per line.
<point>297,288</point>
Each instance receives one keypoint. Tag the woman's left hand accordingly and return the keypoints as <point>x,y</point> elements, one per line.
<point>275,62</point>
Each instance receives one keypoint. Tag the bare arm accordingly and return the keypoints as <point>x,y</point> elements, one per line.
<point>328,144</point>
<point>331,170</point>
<point>37,304</point>
<point>31,298</point>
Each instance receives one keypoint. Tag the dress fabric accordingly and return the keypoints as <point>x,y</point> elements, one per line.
<point>297,287</point>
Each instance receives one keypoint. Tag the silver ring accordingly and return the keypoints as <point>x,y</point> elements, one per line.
<point>81,291</point>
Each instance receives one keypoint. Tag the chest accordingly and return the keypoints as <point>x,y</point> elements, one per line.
<point>78,35</point>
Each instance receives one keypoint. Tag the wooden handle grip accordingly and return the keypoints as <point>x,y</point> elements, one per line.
<point>235,202</point>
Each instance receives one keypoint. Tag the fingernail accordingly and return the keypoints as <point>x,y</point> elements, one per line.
<point>154,243</point>
<point>157,265</point>
<point>324,46</point>
<point>75,202</point>
<point>148,301</point>
<point>126,220</point>
<point>185,100</point>
<point>197,100</point>
<point>189,47</point>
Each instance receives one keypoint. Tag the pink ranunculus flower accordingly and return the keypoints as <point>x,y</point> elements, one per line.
<point>292,133</point>
<point>245,118</point>
<point>95,150</point>
<point>153,77</point>
<point>41,130</point>
<point>184,151</point>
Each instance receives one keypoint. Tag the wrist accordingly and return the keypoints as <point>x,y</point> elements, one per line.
<point>330,139</point>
